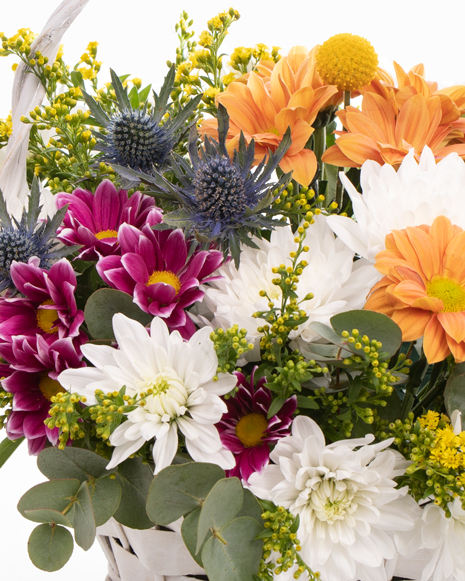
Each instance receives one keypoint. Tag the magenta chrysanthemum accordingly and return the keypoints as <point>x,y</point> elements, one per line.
<point>92,220</point>
<point>156,269</point>
<point>245,429</point>
<point>35,366</point>
<point>49,308</point>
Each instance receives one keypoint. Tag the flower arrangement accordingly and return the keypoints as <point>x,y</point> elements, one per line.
<point>237,303</point>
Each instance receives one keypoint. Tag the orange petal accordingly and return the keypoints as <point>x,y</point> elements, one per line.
<point>303,165</point>
<point>442,232</point>
<point>426,251</point>
<point>334,156</point>
<point>453,261</point>
<point>262,98</point>
<point>454,325</point>
<point>242,110</point>
<point>431,304</point>
<point>379,111</point>
<point>359,148</point>
<point>457,349</point>
<point>408,291</point>
<point>413,122</point>
<point>357,122</point>
<point>412,322</point>
<point>435,342</point>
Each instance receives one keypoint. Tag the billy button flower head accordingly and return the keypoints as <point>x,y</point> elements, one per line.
<point>347,61</point>
<point>20,241</point>
<point>134,138</point>
<point>221,200</point>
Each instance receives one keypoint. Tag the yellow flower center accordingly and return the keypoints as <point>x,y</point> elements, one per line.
<point>451,293</point>
<point>250,429</point>
<point>49,387</point>
<point>46,318</point>
<point>347,61</point>
<point>165,276</point>
<point>106,234</point>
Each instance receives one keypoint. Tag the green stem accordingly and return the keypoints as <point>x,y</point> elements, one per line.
<point>346,99</point>
<point>319,143</point>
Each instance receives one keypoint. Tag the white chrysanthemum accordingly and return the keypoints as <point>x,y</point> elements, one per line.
<point>182,392</point>
<point>416,194</point>
<point>345,496</point>
<point>336,281</point>
<point>445,540</point>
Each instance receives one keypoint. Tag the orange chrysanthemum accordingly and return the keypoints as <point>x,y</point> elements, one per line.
<point>265,103</point>
<point>394,120</point>
<point>423,288</point>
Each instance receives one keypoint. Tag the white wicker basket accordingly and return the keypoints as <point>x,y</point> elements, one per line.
<point>160,555</point>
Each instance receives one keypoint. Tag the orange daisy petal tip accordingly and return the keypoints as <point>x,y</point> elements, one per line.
<point>430,300</point>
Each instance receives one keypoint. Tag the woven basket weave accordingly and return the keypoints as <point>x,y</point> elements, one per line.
<point>160,555</point>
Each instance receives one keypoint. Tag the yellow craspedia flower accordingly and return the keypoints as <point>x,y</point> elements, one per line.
<point>347,61</point>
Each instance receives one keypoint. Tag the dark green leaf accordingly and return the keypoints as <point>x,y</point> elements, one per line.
<point>189,534</point>
<point>275,406</point>
<point>134,98</point>
<point>106,497</point>
<point>101,307</point>
<point>55,494</point>
<point>134,478</point>
<point>327,333</point>
<point>120,91</point>
<point>71,463</point>
<point>84,521</point>
<point>47,515</point>
<point>177,490</point>
<point>144,93</point>
<point>237,556</point>
<point>375,325</point>
<point>222,504</point>
<point>307,403</point>
<point>50,547</point>
<point>7,447</point>
<point>251,507</point>
<point>76,79</point>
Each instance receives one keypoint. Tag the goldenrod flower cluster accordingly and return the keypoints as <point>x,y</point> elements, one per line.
<point>19,44</point>
<point>6,129</point>
<point>280,536</point>
<point>230,345</point>
<point>92,69</point>
<point>244,59</point>
<point>347,61</point>
<point>437,455</point>
<point>299,203</point>
<point>65,414</point>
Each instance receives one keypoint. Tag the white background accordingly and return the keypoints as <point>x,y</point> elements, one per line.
<point>138,37</point>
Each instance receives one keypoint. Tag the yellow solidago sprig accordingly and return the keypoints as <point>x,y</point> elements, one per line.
<point>66,414</point>
<point>347,61</point>
<point>297,203</point>
<point>230,345</point>
<point>6,129</point>
<point>244,59</point>
<point>280,536</point>
<point>88,66</point>
<point>437,454</point>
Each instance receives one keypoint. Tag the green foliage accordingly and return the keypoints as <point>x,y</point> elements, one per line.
<point>7,448</point>
<point>454,394</point>
<point>134,478</point>
<point>230,345</point>
<point>101,307</point>
<point>50,547</point>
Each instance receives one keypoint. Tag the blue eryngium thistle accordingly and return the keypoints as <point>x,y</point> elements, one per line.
<point>133,137</point>
<point>22,240</point>
<point>221,201</point>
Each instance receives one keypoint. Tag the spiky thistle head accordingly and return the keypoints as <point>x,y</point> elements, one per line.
<point>221,200</point>
<point>22,240</point>
<point>135,138</point>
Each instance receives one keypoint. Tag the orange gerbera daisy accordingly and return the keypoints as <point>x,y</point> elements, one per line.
<point>264,104</point>
<point>423,288</point>
<point>395,119</point>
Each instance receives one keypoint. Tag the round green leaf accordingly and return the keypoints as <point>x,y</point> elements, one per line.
<point>84,521</point>
<point>105,494</point>
<point>454,394</point>
<point>71,463</point>
<point>251,507</point>
<point>47,515</point>
<point>56,495</point>
<point>375,325</point>
<point>177,490</point>
<point>236,556</point>
<point>50,547</point>
<point>103,304</point>
<point>189,534</point>
<point>134,479</point>
<point>222,504</point>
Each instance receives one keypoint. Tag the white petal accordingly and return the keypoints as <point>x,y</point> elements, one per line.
<point>165,448</point>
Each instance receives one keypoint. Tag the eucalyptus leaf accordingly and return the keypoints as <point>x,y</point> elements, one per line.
<point>222,504</point>
<point>236,557</point>
<point>84,521</point>
<point>189,534</point>
<point>50,547</point>
<point>327,333</point>
<point>375,325</point>
<point>55,494</point>
<point>106,495</point>
<point>101,307</point>
<point>134,479</point>
<point>454,394</point>
<point>47,515</point>
<point>71,463</point>
<point>251,507</point>
<point>177,490</point>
